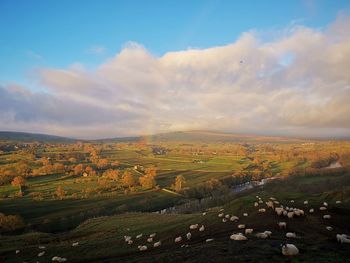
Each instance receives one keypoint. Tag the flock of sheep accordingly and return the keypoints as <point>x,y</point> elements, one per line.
<point>281,211</point>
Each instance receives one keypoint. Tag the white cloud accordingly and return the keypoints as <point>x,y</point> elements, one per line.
<point>297,83</point>
<point>96,50</point>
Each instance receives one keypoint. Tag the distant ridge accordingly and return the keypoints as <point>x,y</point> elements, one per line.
<point>30,137</point>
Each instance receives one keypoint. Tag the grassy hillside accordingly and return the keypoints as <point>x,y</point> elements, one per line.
<point>101,239</point>
<point>29,137</point>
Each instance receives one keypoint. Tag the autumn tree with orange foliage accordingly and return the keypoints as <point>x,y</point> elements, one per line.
<point>19,181</point>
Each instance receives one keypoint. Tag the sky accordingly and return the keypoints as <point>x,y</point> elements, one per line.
<point>96,69</point>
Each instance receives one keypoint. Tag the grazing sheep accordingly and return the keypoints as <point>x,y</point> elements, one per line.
<point>209,239</point>
<point>17,251</point>
<point>262,235</point>
<point>241,226</point>
<point>261,202</point>
<point>343,238</point>
<point>178,239</point>
<point>142,248</point>
<point>224,220</point>
<point>256,204</point>
<point>290,215</point>
<point>323,208</point>
<point>204,213</point>
<point>42,247</point>
<point>325,203</point>
<point>306,202</point>
<point>42,253</point>
<point>289,250</point>
<point>327,217</point>
<point>127,238</point>
<point>285,213</point>
<point>201,229</point>
<point>248,231</point>
<point>157,244</point>
<point>221,215</point>
<point>150,240</point>
<point>59,259</point>
<point>282,224</point>
<point>152,235</point>
<point>292,201</point>
<point>194,226</point>
<point>311,210</point>
<point>139,236</point>
<point>130,242</point>
<point>329,228</point>
<point>77,244</point>
<point>245,214</point>
<point>338,202</point>
<point>238,237</point>
<point>188,236</point>
<point>276,202</point>
<point>227,216</point>
<point>273,199</point>
<point>269,204</point>
<point>269,233</point>
<point>291,235</point>
<point>234,218</point>
<point>262,210</point>
<point>221,210</point>
<point>279,211</point>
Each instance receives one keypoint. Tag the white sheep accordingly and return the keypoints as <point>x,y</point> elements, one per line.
<point>290,215</point>
<point>188,236</point>
<point>338,202</point>
<point>289,250</point>
<point>269,233</point>
<point>291,235</point>
<point>201,229</point>
<point>75,244</point>
<point>272,198</point>
<point>256,204</point>
<point>292,201</point>
<point>224,220</point>
<point>343,238</point>
<point>323,208</point>
<point>17,251</point>
<point>279,211</point>
<point>152,235</point>
<point>282,224</point>
<point>261,202</point>
<point>42,247</point>
<point>221,210</point>
<point>209,239</point>
<point>142,248</point>
<point>329,228</point>
<point>150,240</point>
<point>325,203</point>
<point>204,213</point>
<point>327,217</point>
<point>221,215</point>
<point>178,239</point>
<point>227,216</point>
<point>195,226</point>
<point>306,202</point>
<point>127,238</point>
<point>238,237</point>
<point>234,218</point>
<point>269,204</point>
<point>311,210</point>
<point>139,236</point>
<point>262,235</point>
<point>262,210</point>
<point>248,231</point>
<point>59,259</point>
<point>245,214</point>
<point>276,202</point>
<point>42,253</point>
<point>130,242</point>
<point>157,244</point>
<point>285,213</point>
<point>241,226</point>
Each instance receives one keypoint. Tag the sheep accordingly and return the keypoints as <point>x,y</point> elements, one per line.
<point>130,242</point>
<point>42,247</point>
<point>343,238</point>
<point>325,203</point>
<point>269,204</point>
<point>194,226</point>
<point>306,202</point>
<point>329,228</point>
<point>297,212</point>
<point>289,250</point>
<point>256,204</point>
<point>291,235</point>
<point>201,229</point>
<point>221,215</point>
<point>273,199</point>
<point>209,239</point>
<point>59,259</point>
<point>338,202</point>
<point>178,239</point>
<point>227,216</point>
<point>276,202</point>
<point>245,214</point>
<point>279,211</point>
<point>17,251</point>
<point>241,226</point>
<point>234,218</point>
<point>238,237</point>
<point>139,236</point>
<point>261,202</point>
<point>292,201</point>
<point>285,213</point>
<point>75,244</point>
<point>204,213</point>
<point>150,240</point>
<point>248,231</point>
<point>262,210</point>
<point>262,235</point>
<point>282,224</point>
<point>152,235</point>
<point>311,210</point>
<point>257,197</point>
<point>157,244</point>
<point>127,238</point>
<point>269,233</point>
<point>142,248</point>
<point>323,208</point>
<point>188,236</point>
<point>327,217</point>
<point>42,253</point>
<point>221,210</point>
<point>224,220</point>
<point>290,215</point>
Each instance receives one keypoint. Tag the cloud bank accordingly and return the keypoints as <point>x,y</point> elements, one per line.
<point>297,83</point>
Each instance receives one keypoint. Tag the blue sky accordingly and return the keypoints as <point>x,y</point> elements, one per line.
<point>94,69</point>
<point>51,33</point>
